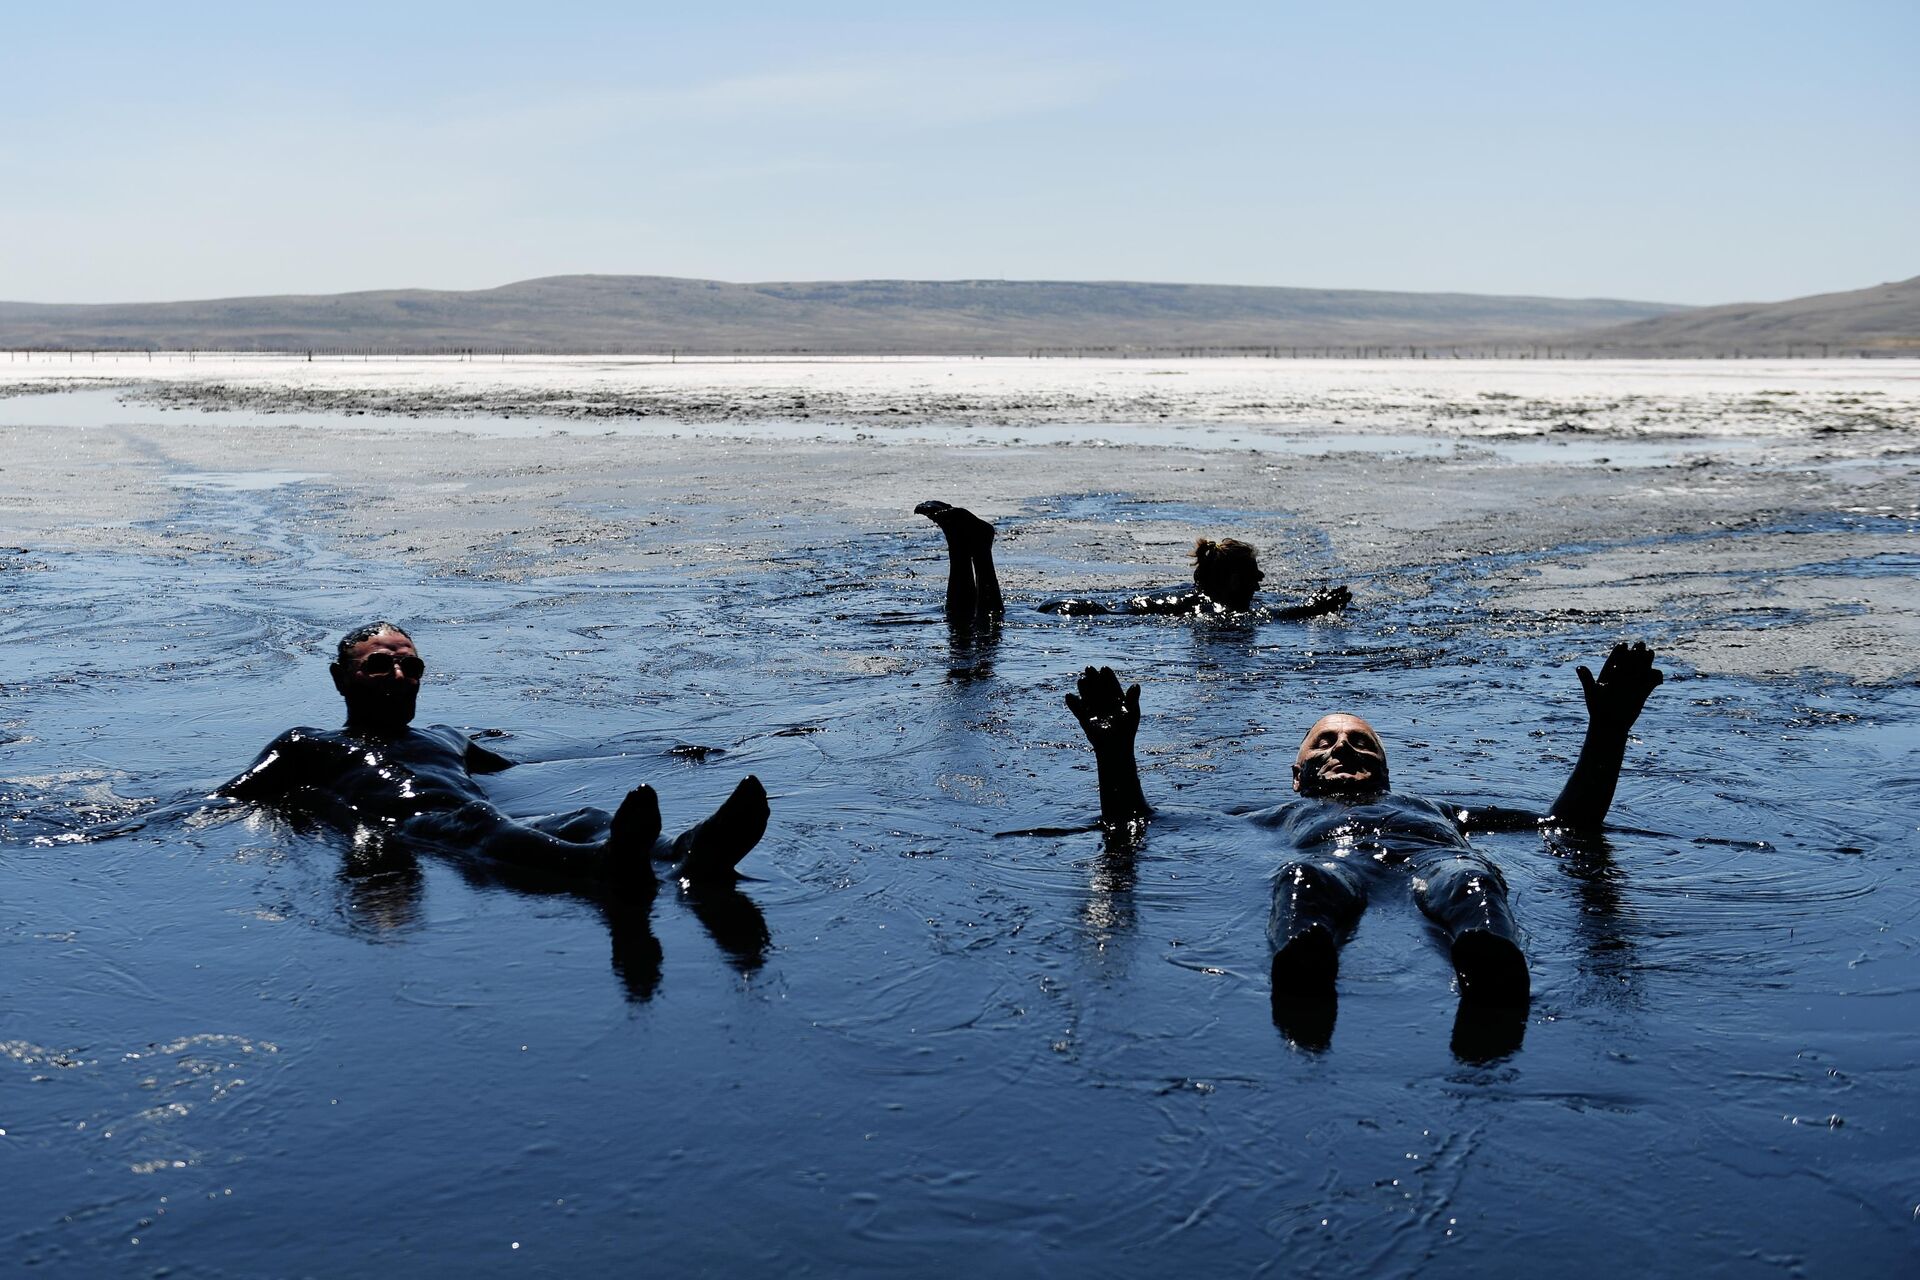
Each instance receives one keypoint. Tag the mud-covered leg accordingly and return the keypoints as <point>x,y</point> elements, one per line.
<point>711,849</point>
<point>987,605</point>
<point>1315,906</point>
<point>576,826</point>
<point>1467,897</point>
<point>962,596</point>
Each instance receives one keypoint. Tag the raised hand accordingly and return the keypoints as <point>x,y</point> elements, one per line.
<point>1110,718</point>
<point>1614,700</point>
<point>1626,679</point>
<point>1107,716</point>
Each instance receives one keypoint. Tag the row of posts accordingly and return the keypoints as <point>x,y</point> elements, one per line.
<point>1792,351</point>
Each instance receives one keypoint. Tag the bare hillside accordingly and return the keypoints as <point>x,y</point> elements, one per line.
<point>1883,319</point>
<point>594,313</point>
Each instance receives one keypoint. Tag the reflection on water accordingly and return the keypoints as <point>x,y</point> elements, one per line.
<point>899,1037</point>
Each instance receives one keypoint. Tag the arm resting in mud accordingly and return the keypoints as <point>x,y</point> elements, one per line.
<point>1614,701</point>
<point>481,760</point>
<point>1074,608</point>
<point>1331,600</point>
<point>1110,719</point>
<point>1491,817</point>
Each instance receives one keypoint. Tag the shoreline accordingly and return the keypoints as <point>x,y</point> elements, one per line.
<point>1764,542</point>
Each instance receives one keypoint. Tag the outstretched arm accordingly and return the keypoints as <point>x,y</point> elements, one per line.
<point>1614,701</point>
<point>1110,720</point>
<point>1330,600</point>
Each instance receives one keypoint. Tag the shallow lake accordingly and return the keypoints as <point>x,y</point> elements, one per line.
<point>907,1043</point>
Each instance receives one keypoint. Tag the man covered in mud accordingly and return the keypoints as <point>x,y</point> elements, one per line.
<point>380,778</point>
<point>1348,831</point>
<point>1226,575</point>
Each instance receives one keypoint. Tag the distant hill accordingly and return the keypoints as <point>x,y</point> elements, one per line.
<point>1881,319</point>
<point>592,313</point>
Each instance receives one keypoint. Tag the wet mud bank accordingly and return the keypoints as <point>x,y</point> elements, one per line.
<point>1753,519</point>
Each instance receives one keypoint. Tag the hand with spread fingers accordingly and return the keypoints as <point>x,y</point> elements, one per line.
<point>1108,717</point>
<point>1614,700</point>
<point>1627,678</point>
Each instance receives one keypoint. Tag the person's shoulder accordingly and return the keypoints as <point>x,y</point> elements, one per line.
<point>445,735</point>
<point>305,737</point>
<point>1274,814</point>
<point>1407,800</point>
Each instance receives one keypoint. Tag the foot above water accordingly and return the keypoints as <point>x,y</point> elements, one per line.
<point>712,849</point>
<point>630,842</point>
<point>955,522</point>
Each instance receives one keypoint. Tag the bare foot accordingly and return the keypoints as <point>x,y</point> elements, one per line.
<point>713,848</point>
<point>636,829</point>
<point>636,824</point>
<point>958,523</point>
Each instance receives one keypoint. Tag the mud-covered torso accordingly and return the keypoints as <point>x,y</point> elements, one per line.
<point>354,777</point>
<point>1386,828</point>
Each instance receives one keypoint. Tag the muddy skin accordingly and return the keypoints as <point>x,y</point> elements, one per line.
<point>1349,836</point>
<point>973,588</point>
<point>1224,582</point>
<point>381,779</point>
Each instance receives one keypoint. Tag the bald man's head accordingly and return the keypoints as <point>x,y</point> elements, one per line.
<point>1341,755</point>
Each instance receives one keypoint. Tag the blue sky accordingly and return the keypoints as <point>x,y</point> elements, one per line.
<point>1696,153</point>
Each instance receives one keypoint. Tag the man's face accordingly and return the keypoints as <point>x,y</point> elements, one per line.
<point>380,679</point>
<point>1341,755</point>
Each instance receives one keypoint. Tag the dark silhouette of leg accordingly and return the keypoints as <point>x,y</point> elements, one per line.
<point>1466,896</point>
<point>1486,1033</point>
<point>973,587</point>
<point>711,849</point>
<point>637,956</point>
<point>733,921</point>
<point>988,604</point>
<point>1315,906</point>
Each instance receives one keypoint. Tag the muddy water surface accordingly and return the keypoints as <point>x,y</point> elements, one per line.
<point>228,1046</point>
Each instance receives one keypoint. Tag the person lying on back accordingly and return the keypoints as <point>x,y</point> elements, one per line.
<point>1347,834</point>
<point>378,777</point>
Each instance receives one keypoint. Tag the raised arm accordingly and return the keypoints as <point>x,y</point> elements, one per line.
<point>1110,720</point>
<point>1614,701</point>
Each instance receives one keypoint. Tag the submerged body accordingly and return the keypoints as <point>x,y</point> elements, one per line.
<point>380,778</point>
<point>1345,849</point>
<point>1226,576</point>
<point>1191,602</point>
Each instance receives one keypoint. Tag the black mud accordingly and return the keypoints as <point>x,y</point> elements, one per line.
<point>232,1047</point>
